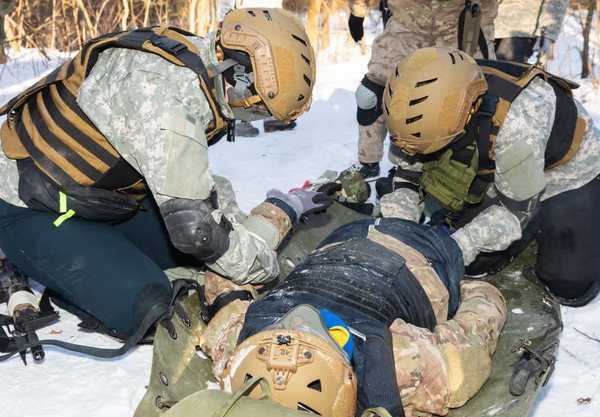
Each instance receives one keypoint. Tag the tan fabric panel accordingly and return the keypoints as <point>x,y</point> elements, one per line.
<point>52,126</point>
<point>50,152</point>
<point>81,125</point>
<point>11,144</point>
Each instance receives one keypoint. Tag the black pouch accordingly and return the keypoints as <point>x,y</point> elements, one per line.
<point>40,193</point>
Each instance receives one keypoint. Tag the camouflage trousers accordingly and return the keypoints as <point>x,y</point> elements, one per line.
<point>435,370</point>
<point>395,42</point>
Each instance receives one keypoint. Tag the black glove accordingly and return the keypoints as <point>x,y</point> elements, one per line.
<point>355,24</point>
<point>330,188</point>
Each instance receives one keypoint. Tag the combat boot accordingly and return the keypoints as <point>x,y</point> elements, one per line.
<point>369,172</point>
<point>274,125</point>
<point>246,129</point>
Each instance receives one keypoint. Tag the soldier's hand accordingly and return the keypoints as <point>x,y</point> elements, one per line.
<point>355,24</point>
<point>330,188</point>
<point>312,201</point>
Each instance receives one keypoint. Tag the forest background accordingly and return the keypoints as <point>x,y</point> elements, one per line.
<point>65,25</point>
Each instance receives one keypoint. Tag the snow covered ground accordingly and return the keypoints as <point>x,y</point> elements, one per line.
<point>68,384</point>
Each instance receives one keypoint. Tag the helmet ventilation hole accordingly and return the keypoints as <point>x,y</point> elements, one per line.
<point>316,385</point>
<point>251,13</point>
<point>397,73</point>
<point>390,91</point>
<point>460,55</point>
<point>416,135</point>
<point>302,41</point>
<point>305,59</point>
<point>417,101</point>
<point>304,407</point>
<point>267,15</point>
<point>300,97</point>
<point>414,119</point>
<point>386,109</point>
<point>247,377</point>
<point>307,80</point>
<point>453,59</point>
<point>423,83</point>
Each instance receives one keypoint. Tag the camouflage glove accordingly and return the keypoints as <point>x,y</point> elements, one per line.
<point>355,24</point>
<point>302,202</point>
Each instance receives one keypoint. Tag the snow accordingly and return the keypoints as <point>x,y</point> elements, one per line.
<point>68,384</point>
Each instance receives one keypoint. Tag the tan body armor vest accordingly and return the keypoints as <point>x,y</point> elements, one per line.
<point>460,174</point>
<point>46,124</point>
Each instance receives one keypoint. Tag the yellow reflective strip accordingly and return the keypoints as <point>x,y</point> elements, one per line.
<point>62,202</point>
<point>64,217</point>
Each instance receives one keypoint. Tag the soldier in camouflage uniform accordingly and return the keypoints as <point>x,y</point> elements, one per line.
<point>511,159</point>
<point>525,26</point>
<point>413,25</point>
<point>388,298</point>
<point>137,123</point>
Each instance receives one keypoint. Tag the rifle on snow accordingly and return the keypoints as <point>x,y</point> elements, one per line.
<point>25,316</point>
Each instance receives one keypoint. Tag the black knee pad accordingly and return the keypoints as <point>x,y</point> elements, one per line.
<point>369,100</point>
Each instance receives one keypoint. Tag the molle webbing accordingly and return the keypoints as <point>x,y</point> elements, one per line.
<point>366,277</point>
<point>506,80</point>
<point>46,124</point>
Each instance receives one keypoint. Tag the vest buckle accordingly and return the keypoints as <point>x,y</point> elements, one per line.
<point>487,108</point>
<point>169,45</point>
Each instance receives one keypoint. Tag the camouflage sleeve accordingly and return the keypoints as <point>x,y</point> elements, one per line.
<point>494,229</point>
<point>155,115</point>
<point>519,157</point>
<point>219,339</point>
<point>359,8</point>
<point>442,369</point>
<point>552,17</point>
<point>402,204</point>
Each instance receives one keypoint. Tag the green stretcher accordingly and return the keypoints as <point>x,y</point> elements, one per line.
<point>529,318</point>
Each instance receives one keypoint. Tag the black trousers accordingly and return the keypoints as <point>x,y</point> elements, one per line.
<point>567,230</point>
<point>113,273</point>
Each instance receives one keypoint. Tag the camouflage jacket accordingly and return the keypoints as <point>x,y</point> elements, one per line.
<point>526,18</point>
<point>519,174</point>
<point>436,18</point>
<point>155,114</point>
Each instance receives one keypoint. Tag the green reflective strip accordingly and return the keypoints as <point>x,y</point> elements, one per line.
<point>62,202</point>
<point>64,217</point>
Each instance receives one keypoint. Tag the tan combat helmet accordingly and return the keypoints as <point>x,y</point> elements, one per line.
<point>306,372</point>
<point>282,58</point>
<point>429,97</point>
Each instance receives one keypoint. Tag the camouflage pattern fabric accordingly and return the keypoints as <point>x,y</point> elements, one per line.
<point>442,369</point>
<point>414,25</point>
<point>526,18</point>
<point>435,370</point>
<point>520,172</point>
<point>155,114</point>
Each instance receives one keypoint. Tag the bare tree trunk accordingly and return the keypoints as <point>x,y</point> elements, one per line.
<point>324,33</point>
<point>586,66</point>
<point>125,15</point>
<point>147,13</point>
<point>312,23</point>
<point>193,10</point>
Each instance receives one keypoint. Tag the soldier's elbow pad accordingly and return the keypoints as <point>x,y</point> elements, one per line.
<point>193,230</point>
<point>369,99</point>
